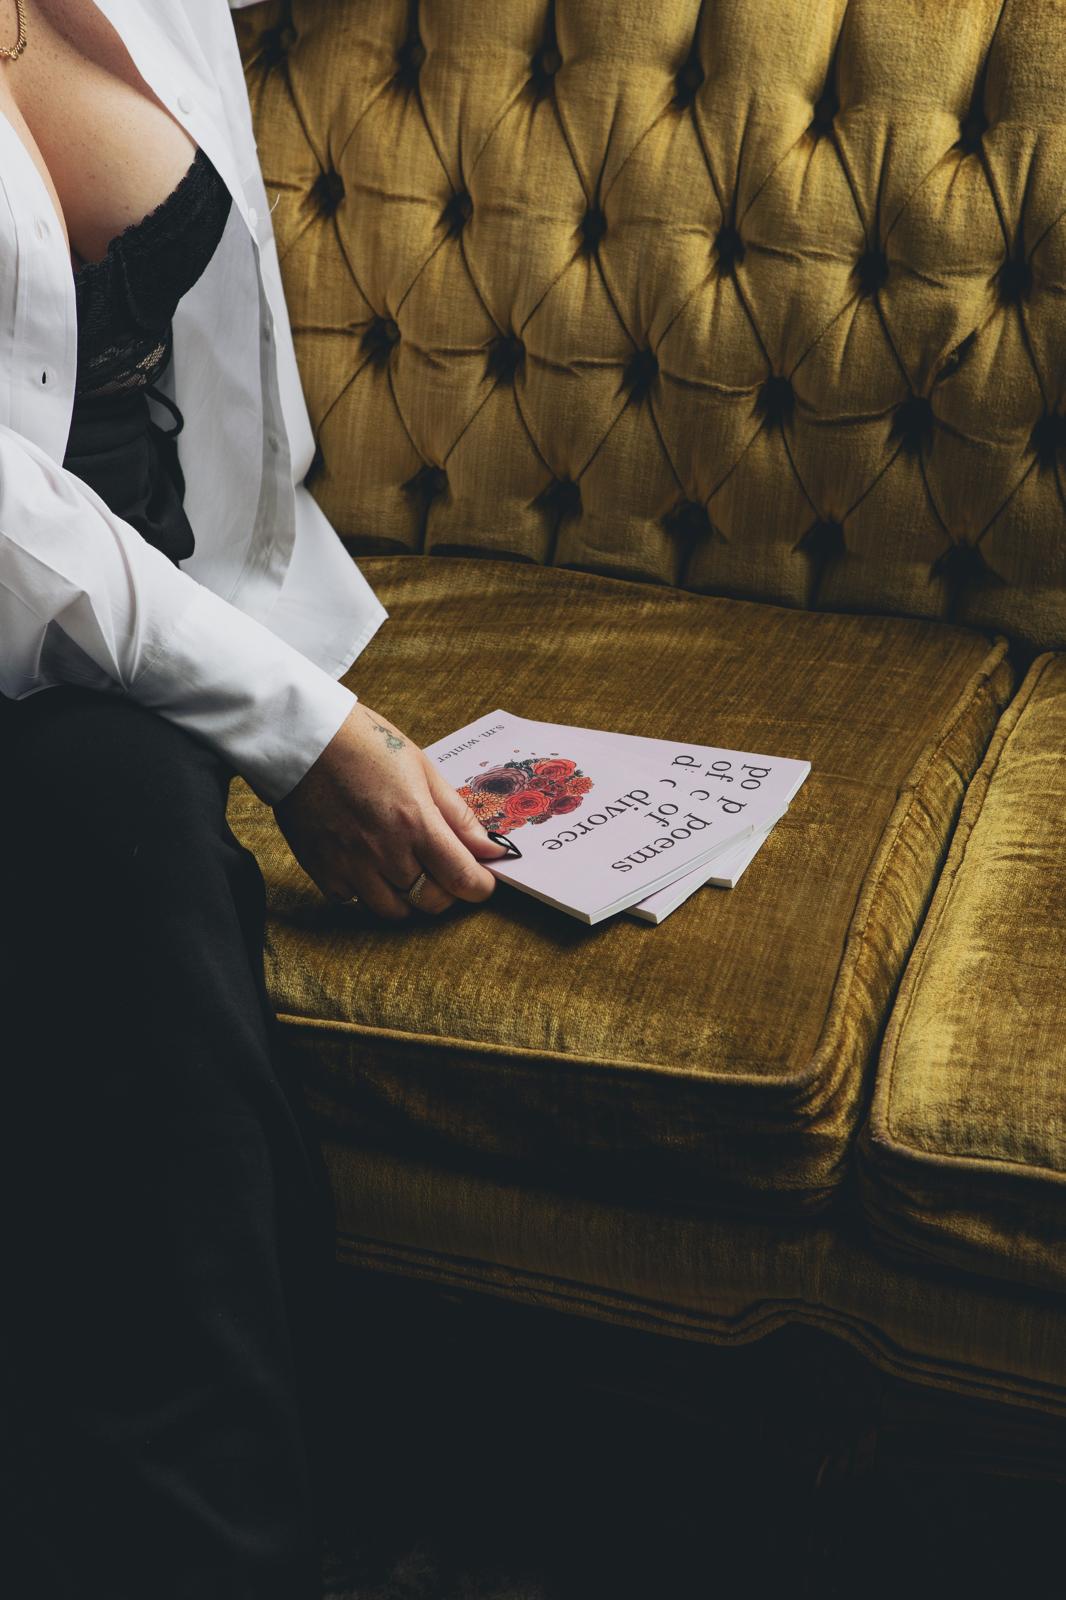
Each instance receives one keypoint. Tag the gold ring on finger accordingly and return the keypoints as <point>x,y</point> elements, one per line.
<point>414,893</point>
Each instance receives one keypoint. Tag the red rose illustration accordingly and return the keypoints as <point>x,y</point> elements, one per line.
<point>500,780</point>
<point>529,803</point>
<point>546,785</point>
<point>560,768</point>
<point>564,803</point>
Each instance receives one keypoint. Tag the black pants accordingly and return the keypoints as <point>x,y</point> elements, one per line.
<point>167,1225</point>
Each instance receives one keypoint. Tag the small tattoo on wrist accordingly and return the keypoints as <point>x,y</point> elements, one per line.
<point>392,740</point>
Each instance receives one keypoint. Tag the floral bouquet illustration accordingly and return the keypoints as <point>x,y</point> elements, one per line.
<point>534,790</point>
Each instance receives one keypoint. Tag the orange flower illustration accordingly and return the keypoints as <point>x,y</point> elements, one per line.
<point>482,805</point>
<point>560,767</point>
<point>578,785</point>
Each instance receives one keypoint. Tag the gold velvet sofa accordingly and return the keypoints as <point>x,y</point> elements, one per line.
<point>700,370</point>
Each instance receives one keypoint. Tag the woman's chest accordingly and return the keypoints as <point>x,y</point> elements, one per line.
<point>106,148</point>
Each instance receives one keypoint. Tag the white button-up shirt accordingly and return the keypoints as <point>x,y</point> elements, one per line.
<point>243,645</point>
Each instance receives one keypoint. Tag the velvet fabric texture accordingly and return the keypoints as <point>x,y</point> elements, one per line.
<point>760,297</point>
<point>965,1150</point>
<point>721,1280</point>
<point>724,1054</point>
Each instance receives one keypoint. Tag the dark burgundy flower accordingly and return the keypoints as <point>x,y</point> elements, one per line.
<point>500,780</point>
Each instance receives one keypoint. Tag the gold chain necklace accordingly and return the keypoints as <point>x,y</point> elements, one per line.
<point>13,53</point>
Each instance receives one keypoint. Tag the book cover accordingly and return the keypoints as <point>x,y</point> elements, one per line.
<point>596,826</point>
<point>688,770</point>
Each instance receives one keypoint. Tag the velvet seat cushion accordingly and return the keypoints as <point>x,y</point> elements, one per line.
<point>964,1155</point>
<point>723,1055</point>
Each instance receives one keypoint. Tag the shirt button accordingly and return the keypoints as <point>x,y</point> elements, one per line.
<point>41,228</point>
<point>47,377</point>
<point>273,443</point>
<point>267,335</point>
<point>184,104</point>
<point>253,217</point>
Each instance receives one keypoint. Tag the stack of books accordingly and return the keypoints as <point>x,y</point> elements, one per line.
<point>599,823</point>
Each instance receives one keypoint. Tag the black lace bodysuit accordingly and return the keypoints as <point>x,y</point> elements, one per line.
<point>125,306</point>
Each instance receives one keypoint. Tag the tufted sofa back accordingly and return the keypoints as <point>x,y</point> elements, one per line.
<point>759,297</point>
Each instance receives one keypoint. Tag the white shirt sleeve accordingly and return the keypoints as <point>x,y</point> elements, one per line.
<point>85,600</point>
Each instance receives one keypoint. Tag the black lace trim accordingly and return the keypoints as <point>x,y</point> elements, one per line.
<point>126,301</point>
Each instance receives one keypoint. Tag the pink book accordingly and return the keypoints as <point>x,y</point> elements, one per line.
<point>597,829</point>
<point>687,770</point>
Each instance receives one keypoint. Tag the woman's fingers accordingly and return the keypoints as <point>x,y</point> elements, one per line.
<point>385,888</point>
<point>434,899</point>
<point>374,812</point>
<point>376,892</point>
<point>459,817</point>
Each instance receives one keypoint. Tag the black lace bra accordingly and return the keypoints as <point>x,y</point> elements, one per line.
<point>126,304</point>
<point>127,300</point>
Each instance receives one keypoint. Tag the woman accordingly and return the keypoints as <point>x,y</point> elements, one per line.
<point>171,612</point>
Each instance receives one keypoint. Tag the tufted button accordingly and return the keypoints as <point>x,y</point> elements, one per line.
<point>457,212</point>
<point>824,541</point>
<point>688,520</point>
<point>593,228</point>
<point>642,369</point>
<point>428,483</point>
<point>688,81</point>
<point>776,398</point>
<point>431,482</point>
<point>729,248</point>
<point>1014,279</point>
<point>380,336</point>
<point>825,109</point>
<point>972,130</point>
<point>562,497</point>
<point>871,271</point>
<point>912,423</point>
<point>544,66</point>
<point>328,192</point>
<point>962,566</point>
<point>956,357</point>
<point>410,59</point>
<point>506,357</point>
<point>1048,437</point>
<point>276,43</point>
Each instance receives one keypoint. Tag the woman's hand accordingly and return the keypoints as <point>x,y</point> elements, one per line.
<point>374,812</point>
